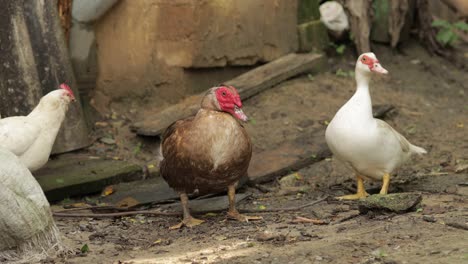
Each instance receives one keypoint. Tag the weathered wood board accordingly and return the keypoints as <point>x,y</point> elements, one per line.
<point>149,191</point>
<point>289,156</point>
<point>72,176</point>
<point>248,85</point>
<point>207,205</point>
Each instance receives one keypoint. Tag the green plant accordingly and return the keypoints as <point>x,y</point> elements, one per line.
<point>339,49</point>
<point>447,31</point>
<point>342,73</point>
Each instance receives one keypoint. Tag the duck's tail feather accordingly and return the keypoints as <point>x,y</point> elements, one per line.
<point>417,150</point>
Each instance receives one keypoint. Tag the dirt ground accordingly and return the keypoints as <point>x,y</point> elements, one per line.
<point>431,110</point>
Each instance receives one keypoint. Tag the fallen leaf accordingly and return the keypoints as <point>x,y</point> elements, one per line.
<point>108,190</point>
<point>127,202</point>
<point>261,207</point>
<point>298,176</point>
<point>101,124</point>
<point>210,214</point>
<point>300,219</point>
<point>77,205</point>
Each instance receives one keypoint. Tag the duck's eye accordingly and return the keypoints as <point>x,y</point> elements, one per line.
<point>223,93</point>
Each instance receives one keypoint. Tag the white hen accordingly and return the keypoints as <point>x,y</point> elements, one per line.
<point>370,146</point>
<point>31,137</point>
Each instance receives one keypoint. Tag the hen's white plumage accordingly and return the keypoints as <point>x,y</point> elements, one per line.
<point>31,137</point>
<point>370,146</point>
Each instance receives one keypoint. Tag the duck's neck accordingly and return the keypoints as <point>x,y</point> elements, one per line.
<point>361,98</point>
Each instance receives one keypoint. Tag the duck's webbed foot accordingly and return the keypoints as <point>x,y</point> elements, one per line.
<point>189,220</point>
<point>361,192</point>
<point>233,213</point>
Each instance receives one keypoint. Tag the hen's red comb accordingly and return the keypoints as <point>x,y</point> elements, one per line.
<point>68,89</point>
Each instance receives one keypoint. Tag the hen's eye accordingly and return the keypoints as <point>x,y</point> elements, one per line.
<point>223,93</point>
<point>364,59</point>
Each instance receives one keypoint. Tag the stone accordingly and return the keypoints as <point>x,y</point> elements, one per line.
<point>394,202</point>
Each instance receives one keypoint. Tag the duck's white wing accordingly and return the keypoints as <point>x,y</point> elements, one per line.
<point>18,133</point>
<point>386,129</point>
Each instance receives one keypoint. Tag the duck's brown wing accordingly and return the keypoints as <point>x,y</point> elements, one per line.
<point>172,168</point>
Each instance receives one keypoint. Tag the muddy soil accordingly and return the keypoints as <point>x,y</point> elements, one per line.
<point>431,110</point>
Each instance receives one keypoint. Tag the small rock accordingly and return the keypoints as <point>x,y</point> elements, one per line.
<point>429,219</point>
<point>395,202</point>
<point>107,140</point>
<point>267,236</point>
<point>291,180</point>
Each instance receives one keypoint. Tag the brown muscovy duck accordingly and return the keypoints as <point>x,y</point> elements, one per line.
<point>208,152</point>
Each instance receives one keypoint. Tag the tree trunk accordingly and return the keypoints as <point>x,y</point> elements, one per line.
<point>427,33</point>
<point>360,18</point>
<point>34,62</point>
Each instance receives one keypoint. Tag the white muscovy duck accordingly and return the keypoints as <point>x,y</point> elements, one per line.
<point>370,146</point>
<point>31,137</point>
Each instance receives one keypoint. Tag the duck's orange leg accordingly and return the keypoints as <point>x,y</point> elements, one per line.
<point>189,220</point>
<point>233,213</point>
<point>386,183</point>
<point>361,191</point>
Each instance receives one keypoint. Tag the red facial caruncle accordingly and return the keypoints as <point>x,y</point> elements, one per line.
<point>67,88</point>
<point>373,64</point>
<point>229,101</point>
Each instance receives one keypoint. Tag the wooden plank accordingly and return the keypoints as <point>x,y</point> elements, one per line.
<point>79,175</point>
<point>150,191</point>
<point>289,156</point>
<point>248,85</point>
<point>207,205</point>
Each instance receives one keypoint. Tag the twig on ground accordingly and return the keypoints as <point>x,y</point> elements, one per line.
<point>300,219</point>
<point>100,207</point>
<point>283,209</point>
<point>347,218</point>
<point>149,212</point>
<point>158,213</point>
